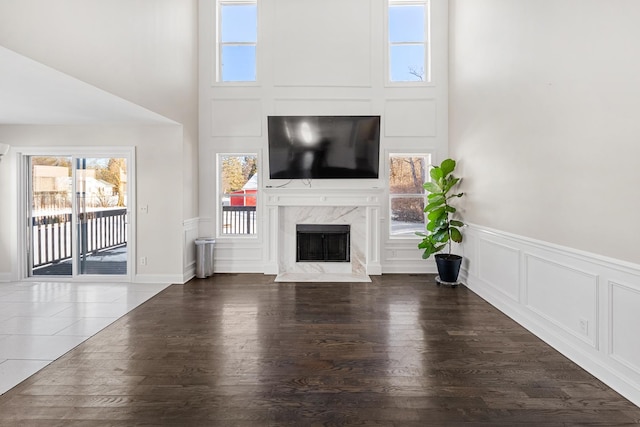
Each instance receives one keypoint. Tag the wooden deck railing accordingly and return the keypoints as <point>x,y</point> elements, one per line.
<point>238,220</point>
<point>52,241</point>
<point>106,229</point>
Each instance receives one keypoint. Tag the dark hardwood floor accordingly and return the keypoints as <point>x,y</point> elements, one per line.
<point>240,350</point>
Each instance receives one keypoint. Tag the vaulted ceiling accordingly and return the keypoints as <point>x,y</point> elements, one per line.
<point>33,93</point>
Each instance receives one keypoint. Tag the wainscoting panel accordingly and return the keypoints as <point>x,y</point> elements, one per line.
<point>498,265</point>
<point>584,305</point>
<point>404,257</point>
<point>190,234</point>
<point>238,256</point>
<point>625,325</point>
<point>564,296</point>
<point>236,117</point>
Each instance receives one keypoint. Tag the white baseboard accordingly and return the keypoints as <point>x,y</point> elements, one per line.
<point>189,273</point>
<point>583,305</point>
<point>409,267</point>
<point>228,266</point>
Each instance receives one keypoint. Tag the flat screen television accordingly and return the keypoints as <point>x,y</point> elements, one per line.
<point>323,147</point>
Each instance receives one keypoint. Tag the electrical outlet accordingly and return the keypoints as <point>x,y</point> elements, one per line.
<point>584,326</point>
<point>143,260</point>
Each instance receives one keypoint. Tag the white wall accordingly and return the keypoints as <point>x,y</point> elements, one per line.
<point>325,58</point>
<point>544,99</point>
<point>159,233</point>
<point>145,52</point>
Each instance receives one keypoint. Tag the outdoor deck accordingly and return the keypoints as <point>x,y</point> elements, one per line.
<point>105,243</point>
<point>112,261</point>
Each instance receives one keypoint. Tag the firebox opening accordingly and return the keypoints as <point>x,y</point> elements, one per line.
<point>323,242</point>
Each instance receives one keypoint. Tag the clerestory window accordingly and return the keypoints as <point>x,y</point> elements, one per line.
<point>237,40</point>
<point>408,51</point>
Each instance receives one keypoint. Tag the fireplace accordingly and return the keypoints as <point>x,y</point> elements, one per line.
<point>286,208</point>
<point>323,242</point>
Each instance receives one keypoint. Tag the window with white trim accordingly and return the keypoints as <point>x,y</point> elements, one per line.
<point>408,51</point>
<point>237,40</point>
<point>407,174</point>
<point>237,194</point>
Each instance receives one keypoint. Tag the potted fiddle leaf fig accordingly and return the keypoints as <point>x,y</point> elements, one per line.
<point>442,229</point>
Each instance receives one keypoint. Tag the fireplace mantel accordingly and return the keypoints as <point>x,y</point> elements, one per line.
<point>323,196</point>
<point>360,207</point>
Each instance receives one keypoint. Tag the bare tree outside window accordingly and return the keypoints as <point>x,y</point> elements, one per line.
<point>408,40</point>
<point>407,174</point>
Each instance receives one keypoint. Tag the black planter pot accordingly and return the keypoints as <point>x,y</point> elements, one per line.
<point>448,267</point>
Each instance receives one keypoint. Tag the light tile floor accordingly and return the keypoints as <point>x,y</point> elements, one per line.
<point>41,321</point>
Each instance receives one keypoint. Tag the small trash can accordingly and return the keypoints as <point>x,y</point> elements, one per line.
<point>204,256</point>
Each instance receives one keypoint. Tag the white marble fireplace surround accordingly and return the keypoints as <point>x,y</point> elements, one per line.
<point>359,208</point>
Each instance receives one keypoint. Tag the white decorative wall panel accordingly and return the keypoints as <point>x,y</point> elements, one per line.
<point>582,304</point>
<point>322,107</point>
<point>322,43</point>
<point>190,232</point>
<point>563,295</point>
<point>625,325</point>
<point>468,250</point>
<point>238,256</point>
<point>410,117</point>
<point>498,265</point>
<point>236,117</point>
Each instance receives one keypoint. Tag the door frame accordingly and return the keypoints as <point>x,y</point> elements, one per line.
<point>23,198</point>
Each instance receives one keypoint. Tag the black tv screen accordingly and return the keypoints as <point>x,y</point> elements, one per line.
<point>323,147</point>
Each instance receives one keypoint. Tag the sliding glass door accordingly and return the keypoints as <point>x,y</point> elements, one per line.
<point>77,216</point>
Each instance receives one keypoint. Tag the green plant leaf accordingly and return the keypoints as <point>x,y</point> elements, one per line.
<point>429,248</point>
<point>450,183</point>
<point>431,187</point>
<point>456,223</point>
<point>456,236</point>
<point>425,243</point>
<point>435,227</point>
<point>433,204</point>
<point>436,174</point>
<point>430,208</point>
<point>441,236</point>
<point>435,214</point>
<point>447,166</point>
<point>437,224</point>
